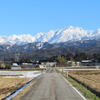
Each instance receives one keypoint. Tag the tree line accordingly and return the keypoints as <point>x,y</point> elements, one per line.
<point>63,58</point>
<point>77,56</point>
<point>67,57</point>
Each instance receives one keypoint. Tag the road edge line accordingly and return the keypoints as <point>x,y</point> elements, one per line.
<point>74,88</point>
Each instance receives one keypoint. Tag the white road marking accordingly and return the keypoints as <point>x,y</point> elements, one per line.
<point>74,88</point>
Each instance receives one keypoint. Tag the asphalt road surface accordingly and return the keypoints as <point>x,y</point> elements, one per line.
<point>52,87</point>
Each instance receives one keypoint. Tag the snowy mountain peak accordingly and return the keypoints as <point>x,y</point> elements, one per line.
<point>13,36</point>
<point>98,30</point>
<point>65,34</point>
<point>70,27</point>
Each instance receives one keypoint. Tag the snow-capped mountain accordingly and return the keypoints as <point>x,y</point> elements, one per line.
<point>65,34</point>
<point>17,39</point>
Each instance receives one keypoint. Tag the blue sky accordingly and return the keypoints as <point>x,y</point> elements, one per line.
<point>34,16</point>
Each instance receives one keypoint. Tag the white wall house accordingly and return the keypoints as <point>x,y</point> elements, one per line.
<point>15,66</point>
<point>90,63</point>
<point>41,66</point>
<point>49,64</point>
<point>70,63</point>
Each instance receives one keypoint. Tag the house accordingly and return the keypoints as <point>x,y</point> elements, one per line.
<point>78,64</point>
<point>41,66</point>
<point>15,66</point>
<point>90,63</point>
<point>28,65</point>
<point>2,64</point>
<point>70,63</point>
<point>86,62</point>
<point>49,64</point>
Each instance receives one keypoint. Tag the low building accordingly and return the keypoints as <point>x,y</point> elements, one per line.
<point>41,66</point>
<point>2,64</point>
<point>28,65</point>
<point>49,64</point>
<point>90,63</point>
<point>70,63</point>
<point>78,64</point>
<point>15,66</point>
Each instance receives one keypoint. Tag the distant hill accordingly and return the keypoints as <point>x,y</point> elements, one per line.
<point>40,50</point>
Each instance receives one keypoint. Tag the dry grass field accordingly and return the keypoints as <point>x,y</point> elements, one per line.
<point>90,78</point>
<point>12,80</point>
<point>9,85</point>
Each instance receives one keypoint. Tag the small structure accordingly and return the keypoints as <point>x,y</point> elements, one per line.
<point>86,62</point>
<point>28,65</point>
<point>2,64</point>
<point>15,66</point>
<point>41,66</point>
<point>70,63</point>
<point>90,63</point>
<point>78,64</point>
<point>49,64</point>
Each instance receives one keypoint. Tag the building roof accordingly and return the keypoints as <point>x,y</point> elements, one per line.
<point>86,61</point>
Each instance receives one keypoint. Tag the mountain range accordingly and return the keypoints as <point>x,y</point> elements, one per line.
<point>65,34</point>
<point>44,50</point>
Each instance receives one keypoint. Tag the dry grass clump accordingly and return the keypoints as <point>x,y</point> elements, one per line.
<point>9,85</point>
<point>90,78</point>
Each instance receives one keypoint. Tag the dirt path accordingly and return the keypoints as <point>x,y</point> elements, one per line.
<point>52,87</point>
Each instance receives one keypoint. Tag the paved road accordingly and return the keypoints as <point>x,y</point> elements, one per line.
<point>52,87</point>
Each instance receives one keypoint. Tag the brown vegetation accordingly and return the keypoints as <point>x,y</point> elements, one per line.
<point>9,85</point>
<point>25,90</point>
<point>90,78</point>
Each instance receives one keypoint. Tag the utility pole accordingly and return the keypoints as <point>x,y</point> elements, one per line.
<point>17,55</point>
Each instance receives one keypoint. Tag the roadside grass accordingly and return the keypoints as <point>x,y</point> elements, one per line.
<point>81,88</point>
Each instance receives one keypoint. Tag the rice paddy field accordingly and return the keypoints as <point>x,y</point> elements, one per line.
<point>12,80</point>
<point>91,78</point>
